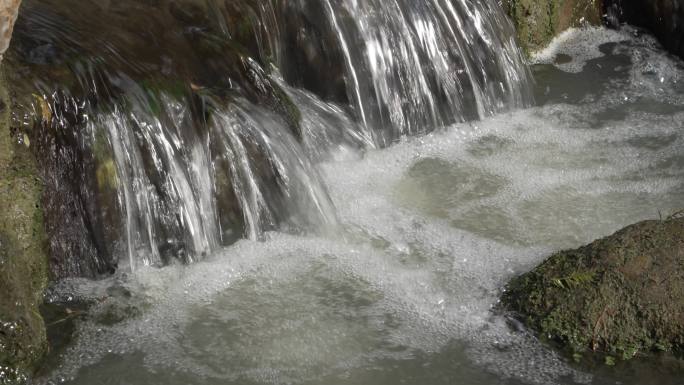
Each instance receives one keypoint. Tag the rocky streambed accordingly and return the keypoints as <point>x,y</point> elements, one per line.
<point>470,205</point>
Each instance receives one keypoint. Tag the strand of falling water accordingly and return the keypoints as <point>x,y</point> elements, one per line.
<point>194,204</point>
<point>412,54</point>
<point>203,173</point>
<point>380,78</point>
<point>298,181</point>
<point>514,70</point>
<point>304,173</point>
<point>350,64</point>
<point>187,187</point>
<point>124,155</point>
<point>392,93</point>
<point>181,203</point>
<point>477,91</point>
<point>269,20</point>
<point>245,186</point>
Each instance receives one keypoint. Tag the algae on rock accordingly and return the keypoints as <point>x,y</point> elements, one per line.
<point>23,264</point>
<point>537,22</point>
<point>621,296</point>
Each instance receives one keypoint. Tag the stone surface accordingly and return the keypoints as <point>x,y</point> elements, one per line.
<point>621,296</point>
<point>8,15</point>
<point>537,22</point>
<point>315,59</point>
<point>192,57</point>
<point>23,265</point>
<point>663,18</point>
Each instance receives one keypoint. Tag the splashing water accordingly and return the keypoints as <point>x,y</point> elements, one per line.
<point>191,168</point>
<point>415,65</point>
<point>430,230</point>
<point>247,137</point>
<point>168,133</point>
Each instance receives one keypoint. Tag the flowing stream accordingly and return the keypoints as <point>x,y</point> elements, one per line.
<point>194,137</point>
<point>368,241</point>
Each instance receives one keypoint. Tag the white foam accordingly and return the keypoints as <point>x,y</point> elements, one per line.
<point>581,44</point>
<point>433,228</point>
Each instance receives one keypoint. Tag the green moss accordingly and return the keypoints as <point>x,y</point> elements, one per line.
<point>538,21</point>
<point>283,105</point>
<point>23,262</point>
<point>621,296</point>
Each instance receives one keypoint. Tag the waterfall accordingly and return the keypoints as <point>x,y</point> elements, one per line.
<point>171,129</point>
<point>183,187</point>
<point>411,65</point>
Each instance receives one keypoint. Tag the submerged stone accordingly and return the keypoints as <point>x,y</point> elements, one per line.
<point>621,296</point>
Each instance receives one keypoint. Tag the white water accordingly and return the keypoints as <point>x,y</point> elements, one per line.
<point>171,178</point>
<point>431,228</point>
<point>189,144</point>
<point>415,65</point>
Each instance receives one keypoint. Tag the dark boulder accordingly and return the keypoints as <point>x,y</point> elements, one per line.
<point>621,296</point>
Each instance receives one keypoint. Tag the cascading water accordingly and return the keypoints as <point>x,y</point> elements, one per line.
<point>411,66</point>
<point>175,204</point>
<point>247,136</point>
<point>193,145</point>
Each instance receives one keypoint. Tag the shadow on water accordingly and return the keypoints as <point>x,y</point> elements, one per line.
<point>598,77</point>
<point>601,79</point>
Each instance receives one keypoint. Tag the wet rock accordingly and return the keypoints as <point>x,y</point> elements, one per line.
<point>119,305</point>
<point>8,15</point>
<point>537,22</point>
<point>314,58</point>
<point>193,50</point>
<point>663,18</point>
<point>23,265</point>
<point>620,296</point>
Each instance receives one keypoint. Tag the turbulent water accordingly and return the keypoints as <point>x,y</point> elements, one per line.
<point>169,130</point>
<point>424,235</point>
<point>412,65</point>
<point>327,191</point>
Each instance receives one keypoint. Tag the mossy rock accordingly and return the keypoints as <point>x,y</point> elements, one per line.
<point>23,264</point>
<point>537,22</point>
<point>620,296</point>
<point>194,60</point>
